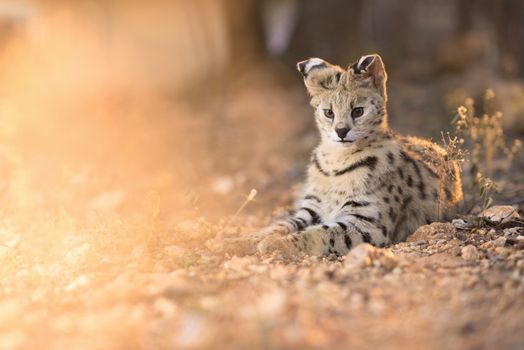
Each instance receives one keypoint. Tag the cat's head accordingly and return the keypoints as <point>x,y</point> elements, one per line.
<point>349,103</point>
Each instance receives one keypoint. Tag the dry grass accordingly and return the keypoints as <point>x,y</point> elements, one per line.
<point>476,143</point>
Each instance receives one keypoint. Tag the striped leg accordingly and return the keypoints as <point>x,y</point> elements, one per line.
<point>349,228</point>
<point>321,240</point>
<point>305,216</point>
<point>339,237</point>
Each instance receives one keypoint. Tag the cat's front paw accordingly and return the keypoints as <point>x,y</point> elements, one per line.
<point>284,245</point>
<point>315,241</point>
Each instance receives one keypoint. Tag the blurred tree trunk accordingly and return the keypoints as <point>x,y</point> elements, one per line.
<point>245,32</point>
<point>508,18</point>
<point>330,29</point>
<point>465,17</point>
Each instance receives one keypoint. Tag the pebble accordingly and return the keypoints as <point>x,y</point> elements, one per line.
<point>388,260</point>
<point>460,224</point>
<point>431,231</point>
<point>365,255</point>
<point>500,242</point>
<point>500,213</point>
<point>502,252</point>
<point>165,307</point>
<point>456,251</point>
<point>520,264</point>
<point>469,253</point>
<point>80,282</point>
<point>513,231</point>
<point>360,256</point>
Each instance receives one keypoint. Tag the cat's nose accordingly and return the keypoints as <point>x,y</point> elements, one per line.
<point>342,132</point>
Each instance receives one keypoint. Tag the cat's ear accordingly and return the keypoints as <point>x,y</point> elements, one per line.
<point>319,75</point>
<point>370,69</point>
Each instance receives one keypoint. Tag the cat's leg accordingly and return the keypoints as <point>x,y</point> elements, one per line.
<point>337,236</point>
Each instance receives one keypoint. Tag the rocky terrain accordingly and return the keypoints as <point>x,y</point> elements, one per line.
<point>453,286</point>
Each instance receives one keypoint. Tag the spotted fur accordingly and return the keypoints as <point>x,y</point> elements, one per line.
<point>364,182</point>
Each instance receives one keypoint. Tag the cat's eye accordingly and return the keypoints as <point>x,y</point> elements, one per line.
<point>329,113</point>
<point>357,112</point>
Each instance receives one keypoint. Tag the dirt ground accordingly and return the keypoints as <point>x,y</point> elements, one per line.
<point>104,227</point>
<point>444,288</point>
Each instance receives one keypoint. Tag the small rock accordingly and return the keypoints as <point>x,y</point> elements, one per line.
<point>488,245</point>
<point>456,251</point>
<point>397,271</point>
<point>356,300</point>
<point>520,242</point>
<point>502,252</point>
<point>191,333</point>
<point>429,231</point>
<point>209,303</point>
<point>469,253</point>
<point>13,242</point>
<point>271,304</point>
<point>500,214</point>
<point>471,281</point>
<point>388,260</point>
<point>165,307</point>
<point>420,242</point>
<point>223,185</point>
<point>80,282</point>
<point>500,242</point>
<point>460,224</point>
<point>360,256</point>
<point>520,264</point>
<point>513,231</point>
<point>365,255</point>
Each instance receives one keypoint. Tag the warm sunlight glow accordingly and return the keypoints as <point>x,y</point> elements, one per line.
<point>147,146</point>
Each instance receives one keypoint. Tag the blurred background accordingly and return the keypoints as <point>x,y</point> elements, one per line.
<point>202,98</point>
<point>131,132</point>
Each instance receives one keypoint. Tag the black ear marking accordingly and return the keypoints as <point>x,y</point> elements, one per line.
<point>362,65</point>
<point>365,61</point>
<point>370,69</point>
<point>305,67</point>
<point>301,66</point>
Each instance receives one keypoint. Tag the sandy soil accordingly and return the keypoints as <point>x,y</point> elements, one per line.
<point>444,288</point>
